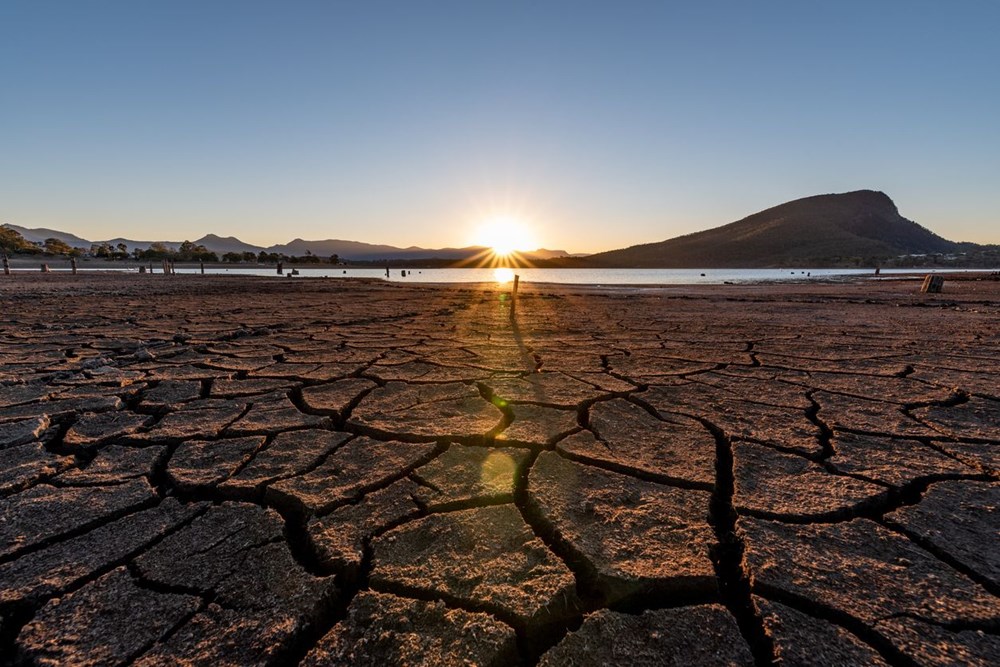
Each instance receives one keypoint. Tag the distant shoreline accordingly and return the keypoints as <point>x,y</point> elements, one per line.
<point>20,262</point>
<point>592,278</point>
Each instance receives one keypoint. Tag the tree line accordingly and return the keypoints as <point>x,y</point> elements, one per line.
<point>13,243</point>
<point>264,257</point>
<point>186,252</point>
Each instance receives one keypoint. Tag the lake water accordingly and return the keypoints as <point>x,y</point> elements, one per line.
<point>564,276</point>
<point>574,276</point>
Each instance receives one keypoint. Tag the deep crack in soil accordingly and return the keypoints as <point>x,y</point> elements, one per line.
<point>357,471</point>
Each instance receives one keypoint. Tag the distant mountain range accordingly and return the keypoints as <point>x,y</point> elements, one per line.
<point>367,251</point>
<point>346,250</point>
<point>39,234</point>
<point>825,230</point>
<point>861,228</point>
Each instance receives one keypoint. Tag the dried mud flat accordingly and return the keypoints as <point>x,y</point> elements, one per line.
<point>237,471</point>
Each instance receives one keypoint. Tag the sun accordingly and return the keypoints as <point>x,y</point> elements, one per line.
<point>505,235</point>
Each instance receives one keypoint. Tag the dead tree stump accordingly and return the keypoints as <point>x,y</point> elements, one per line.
<point>932,285</point>
<point>513,297</point>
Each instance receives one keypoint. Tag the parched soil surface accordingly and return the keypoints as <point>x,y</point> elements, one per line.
<point>254,471</point>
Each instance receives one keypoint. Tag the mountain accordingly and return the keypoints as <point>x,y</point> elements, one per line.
<point>544,253</point>
<point>131,244</point>
<point>224,244</point>
<point>346,250</point>
<point>39,234</point>
<point>367,252</point>
<point>823,230</point>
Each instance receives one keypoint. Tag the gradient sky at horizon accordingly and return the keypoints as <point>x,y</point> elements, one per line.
<point>602,124</point>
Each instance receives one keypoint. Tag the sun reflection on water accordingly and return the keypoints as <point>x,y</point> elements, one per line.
<point>503,275</point>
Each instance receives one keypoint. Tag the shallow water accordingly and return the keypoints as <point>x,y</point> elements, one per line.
<point>564,276</point>
<point>576,276</point>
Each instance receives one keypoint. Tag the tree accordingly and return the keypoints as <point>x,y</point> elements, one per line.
<point>232,257</point>
<point>12,242</point>
<point>156,251</point>
<point>194,252</point>
<point>102,250</point>
<point>335,259</point>
<point>57,246</point>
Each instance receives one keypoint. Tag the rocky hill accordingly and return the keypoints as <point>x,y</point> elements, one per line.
<point>824,230</point>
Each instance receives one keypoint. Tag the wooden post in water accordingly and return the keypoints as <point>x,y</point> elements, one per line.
<point>203,268</point>
<point>6,264</point>
<point>45,268</point>
<point>281,268</point>
<point>72,264</point>
<point>142,268</point>
<point>513,296</point>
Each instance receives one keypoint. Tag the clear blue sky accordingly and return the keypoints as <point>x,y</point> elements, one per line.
<point>604,124</point>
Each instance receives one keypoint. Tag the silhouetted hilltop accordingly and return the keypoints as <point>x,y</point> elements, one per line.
<point>39,234</point>
<point>224,244</point>
<point>834,229</point>
<point>325,248</point>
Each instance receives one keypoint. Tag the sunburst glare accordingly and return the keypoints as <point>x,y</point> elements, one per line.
<point>505,235</point>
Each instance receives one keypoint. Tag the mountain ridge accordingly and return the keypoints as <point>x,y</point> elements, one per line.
<point>345,249</point>
<point>858,228</point>
<point>819,230</point>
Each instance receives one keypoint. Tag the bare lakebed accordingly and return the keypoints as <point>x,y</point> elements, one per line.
<point>212,469</point>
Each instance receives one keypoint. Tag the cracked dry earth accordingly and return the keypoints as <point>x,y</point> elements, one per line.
<point>238,471</point>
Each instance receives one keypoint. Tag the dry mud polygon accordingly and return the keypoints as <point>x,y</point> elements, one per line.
<point>266,471</point>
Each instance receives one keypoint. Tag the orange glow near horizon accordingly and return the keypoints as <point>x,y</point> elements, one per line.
<point>504,239</point>
<point>505,235</point>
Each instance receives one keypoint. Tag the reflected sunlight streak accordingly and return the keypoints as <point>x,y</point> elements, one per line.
<point>503,274</point>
